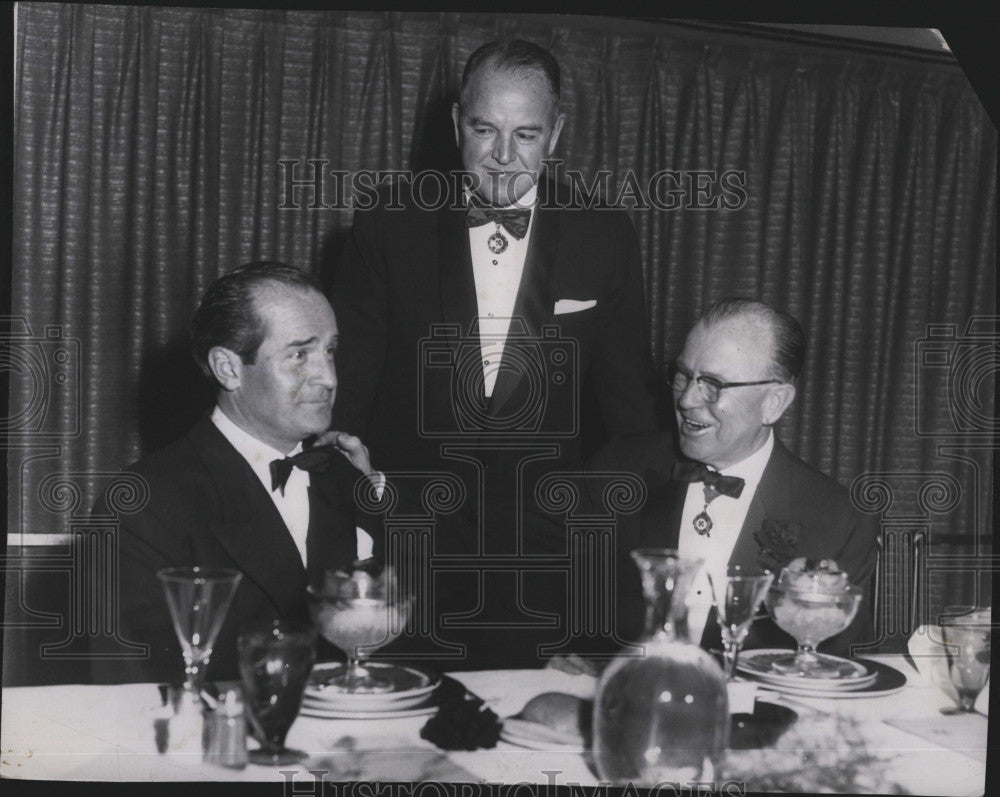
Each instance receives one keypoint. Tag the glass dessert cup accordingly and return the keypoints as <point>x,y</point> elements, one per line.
<point>812,614</point>
<point>359,613</point>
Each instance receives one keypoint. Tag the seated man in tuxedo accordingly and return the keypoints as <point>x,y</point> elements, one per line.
<point>731,383</point>
<point>231,492</point>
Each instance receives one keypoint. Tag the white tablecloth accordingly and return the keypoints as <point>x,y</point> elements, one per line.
<point>71,732</point>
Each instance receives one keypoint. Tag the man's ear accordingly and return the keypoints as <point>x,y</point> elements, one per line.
<point>779,398</point>
<point>456,115</point>
<point>556,130</point>
<point>226,366</point>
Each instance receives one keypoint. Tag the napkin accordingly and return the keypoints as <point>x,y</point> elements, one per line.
<point>462,721</point>
<point>742,695</point>
<point>927,649</point>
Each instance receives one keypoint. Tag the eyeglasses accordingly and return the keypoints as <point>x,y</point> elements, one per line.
<point>708,386</point>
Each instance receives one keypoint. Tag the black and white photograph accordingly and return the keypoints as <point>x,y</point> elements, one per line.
<point>470,403</point>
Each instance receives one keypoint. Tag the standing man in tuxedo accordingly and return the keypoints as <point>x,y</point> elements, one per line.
<point>479,337</point>
<point>237,491</point>
<point>738,496</point>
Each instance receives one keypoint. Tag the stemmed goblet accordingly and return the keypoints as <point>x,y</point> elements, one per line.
<point>198,599</point>
<point>359,612</point>
<point>275,661</point>
<point>967,645</point>
<point>812,612</point>
<point>738,594</point>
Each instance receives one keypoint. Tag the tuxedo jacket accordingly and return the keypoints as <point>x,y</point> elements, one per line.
<point>207,507</point>
<point>410,368</point>
<point>790,493</point>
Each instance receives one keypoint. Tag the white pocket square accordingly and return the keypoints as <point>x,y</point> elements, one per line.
<point>564,306</point>
<point>366,545</point>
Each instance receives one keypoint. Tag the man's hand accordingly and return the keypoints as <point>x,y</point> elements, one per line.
<point>350,446</point>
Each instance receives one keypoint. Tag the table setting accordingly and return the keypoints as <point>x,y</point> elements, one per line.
<point>766,719</point>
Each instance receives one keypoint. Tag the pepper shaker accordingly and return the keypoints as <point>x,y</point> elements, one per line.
<point>226,736</point>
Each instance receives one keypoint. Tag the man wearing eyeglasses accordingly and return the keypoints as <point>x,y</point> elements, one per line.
<point>737,496</point>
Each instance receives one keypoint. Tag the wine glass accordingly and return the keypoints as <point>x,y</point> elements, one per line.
<point>198,599</point>
<point>275,661</point>
<point>359,612</point>
<point>812,613</point>
<point>666,580</point>
<point>967,646</point>
<point>738,594</point>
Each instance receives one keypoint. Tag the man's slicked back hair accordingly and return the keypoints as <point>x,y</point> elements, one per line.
<point>228,315</point>
<point>789,352</point>
<point>516,55</point>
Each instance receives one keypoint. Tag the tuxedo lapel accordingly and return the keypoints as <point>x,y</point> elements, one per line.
<point>457,286</point>
<point>534,302</point>
<point>247,523</point>
<point>661,517</point>
<point>456,279</point>
<point>770,501</point>
<point>332,541</point>
<point>533,307</point>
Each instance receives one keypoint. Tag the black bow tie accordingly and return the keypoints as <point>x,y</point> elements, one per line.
<point>697,472</point>
<point>514,220</point>
<point>315,459</point>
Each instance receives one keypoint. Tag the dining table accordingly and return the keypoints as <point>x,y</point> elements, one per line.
<point>907,741</point>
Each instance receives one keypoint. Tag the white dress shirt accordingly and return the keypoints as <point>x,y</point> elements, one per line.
<point>498,277</point>
<point>293,506</point>
<point>715,549</point>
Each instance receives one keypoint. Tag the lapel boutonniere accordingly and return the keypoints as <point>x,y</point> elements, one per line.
<point>778,540</point>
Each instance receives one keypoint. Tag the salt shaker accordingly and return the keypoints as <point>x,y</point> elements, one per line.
<point>226,732</point>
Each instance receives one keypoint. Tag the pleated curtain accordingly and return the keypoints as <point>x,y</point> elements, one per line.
<point>155,149</point>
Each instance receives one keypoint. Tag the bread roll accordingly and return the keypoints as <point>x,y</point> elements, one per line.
<point>559,711</point>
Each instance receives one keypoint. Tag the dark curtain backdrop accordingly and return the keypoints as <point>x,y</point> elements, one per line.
<point>147,150</point>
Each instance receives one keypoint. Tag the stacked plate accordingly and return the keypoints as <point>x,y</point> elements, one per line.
<point>535,736</point>
<point>412,694</point>
<point>858,678</point>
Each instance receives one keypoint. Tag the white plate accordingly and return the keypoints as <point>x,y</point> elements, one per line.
<point>414,686</point>
<point>758,664</point>
<point>355,705</point>
<point>535,736</point>
<point>837,695</point>
<point>822,684</point>
<point>888,681</point>
<point>424,709</point>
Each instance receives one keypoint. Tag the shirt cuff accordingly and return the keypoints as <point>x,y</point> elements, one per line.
<point>366,545</point>
<point>377,479</point>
